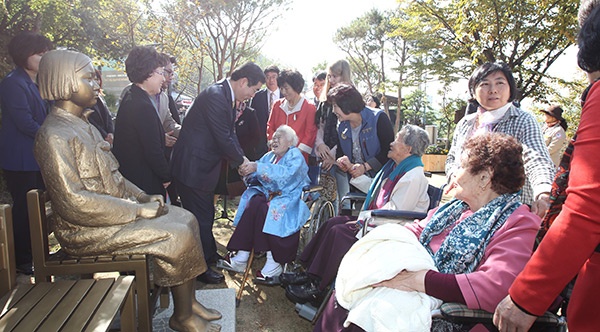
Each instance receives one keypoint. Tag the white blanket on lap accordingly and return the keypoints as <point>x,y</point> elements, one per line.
<point>380,255</point>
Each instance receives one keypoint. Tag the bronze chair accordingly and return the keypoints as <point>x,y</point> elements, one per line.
<point>67,305</point>
<point>47,264</point>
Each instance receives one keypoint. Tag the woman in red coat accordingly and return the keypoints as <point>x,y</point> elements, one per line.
<point>571,246</point>
<point>295,111</point>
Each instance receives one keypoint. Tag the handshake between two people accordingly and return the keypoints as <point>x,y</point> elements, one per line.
<point>247,167</point>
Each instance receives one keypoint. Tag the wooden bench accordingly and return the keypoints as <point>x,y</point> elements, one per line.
<point>67,305</point>
<point>47,264</point>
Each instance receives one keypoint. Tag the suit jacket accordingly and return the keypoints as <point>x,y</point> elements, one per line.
<point>260,103</point>
<point>173,109</point>
<point>246,128</point>
<point>207,136</point>
<point>23,112</point>
<point>139,143</point>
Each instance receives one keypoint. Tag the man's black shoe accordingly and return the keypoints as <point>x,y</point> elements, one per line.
<point>308,292</point>
<point>211,277</point>
<point>294,278</point>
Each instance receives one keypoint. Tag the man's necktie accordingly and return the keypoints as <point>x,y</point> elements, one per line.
<point>271,97</point>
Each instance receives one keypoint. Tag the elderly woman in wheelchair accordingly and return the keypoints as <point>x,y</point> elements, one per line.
<point>476,245</point>
<point>271,211</point>
<point>400,185</point>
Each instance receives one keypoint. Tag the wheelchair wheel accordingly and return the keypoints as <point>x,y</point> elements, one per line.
<point>324,213</point>
<point>320,211</point>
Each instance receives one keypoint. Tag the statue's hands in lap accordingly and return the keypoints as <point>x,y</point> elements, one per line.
<point>145,198</point>
<point>151,206</point>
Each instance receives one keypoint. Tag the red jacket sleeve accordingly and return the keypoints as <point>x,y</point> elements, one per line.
<point>576,231</point>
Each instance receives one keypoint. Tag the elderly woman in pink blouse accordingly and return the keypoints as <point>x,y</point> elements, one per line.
<point>479,241</point>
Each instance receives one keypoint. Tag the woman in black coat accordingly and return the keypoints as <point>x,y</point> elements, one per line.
<point>139,136</point>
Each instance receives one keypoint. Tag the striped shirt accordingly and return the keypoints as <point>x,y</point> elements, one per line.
<point>539,169</point>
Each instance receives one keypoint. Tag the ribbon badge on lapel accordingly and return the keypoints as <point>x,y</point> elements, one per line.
<point>343,134</point>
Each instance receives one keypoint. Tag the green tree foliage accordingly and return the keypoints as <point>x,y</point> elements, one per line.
<point>447,112</point>
<point>529,35</point>
<point>364,41</point>
<point>99,28</point>
<point>376,43</point>
<point>417,110</point>
<point>222,34</point>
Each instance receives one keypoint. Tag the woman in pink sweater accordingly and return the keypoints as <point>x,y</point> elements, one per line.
<point>479,241</point>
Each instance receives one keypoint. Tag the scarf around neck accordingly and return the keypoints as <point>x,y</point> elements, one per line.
<point>488,119</point>
<point>388,171</point>
<point>463,248</point>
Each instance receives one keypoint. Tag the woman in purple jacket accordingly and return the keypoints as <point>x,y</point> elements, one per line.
<point>23,112</point>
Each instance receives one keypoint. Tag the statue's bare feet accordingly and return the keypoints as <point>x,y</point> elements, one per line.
<point>193,324</point>
<point>204,312</point>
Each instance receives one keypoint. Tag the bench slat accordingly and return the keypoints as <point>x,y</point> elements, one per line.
<point>88,306</point>
<point>44,307</point>
<point>15,315</point>
<point>87,259</point>
<point>104,259</point>
<point>13,297</point>
<point>65,308</point>
<point>109,308</point>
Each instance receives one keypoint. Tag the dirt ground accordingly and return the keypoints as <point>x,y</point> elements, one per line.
<point>262,308</point>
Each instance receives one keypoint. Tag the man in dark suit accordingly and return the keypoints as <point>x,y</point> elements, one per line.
<point>207,136</point>
<point>263,102</point>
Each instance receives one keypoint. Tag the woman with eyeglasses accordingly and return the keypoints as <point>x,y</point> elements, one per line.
<point>139,143</point>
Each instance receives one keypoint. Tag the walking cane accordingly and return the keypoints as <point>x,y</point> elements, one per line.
<point>238,297</point>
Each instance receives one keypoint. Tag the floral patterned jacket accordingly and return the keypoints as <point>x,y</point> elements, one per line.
<point>282,183</point>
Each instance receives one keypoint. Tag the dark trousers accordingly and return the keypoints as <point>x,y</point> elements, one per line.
<point>248,233</point>
<point>19,183</point>
<point>323,255</point>
<point>200,203</point>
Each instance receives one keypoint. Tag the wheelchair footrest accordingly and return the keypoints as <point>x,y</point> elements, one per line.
<point>306,311</point>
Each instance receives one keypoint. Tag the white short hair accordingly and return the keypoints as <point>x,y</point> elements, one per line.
<point>289,133</point>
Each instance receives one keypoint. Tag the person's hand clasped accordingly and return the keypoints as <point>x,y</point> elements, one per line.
<point>324,152</point>
<point>357,170</point>
<point>508,317</point>
<point>170,140</point>
<point>541,205</point>
<point>247,168</point>
<point>343,163</point>
<point>408,281</point>
<point>327,158</point>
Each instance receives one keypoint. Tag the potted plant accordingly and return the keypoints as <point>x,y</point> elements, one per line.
<point>434,159</point>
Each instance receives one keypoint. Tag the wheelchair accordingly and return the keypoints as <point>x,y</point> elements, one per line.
<point>464,319</point>
<point>321,209</point>
<point>460,317</point>
<point>312,313</point>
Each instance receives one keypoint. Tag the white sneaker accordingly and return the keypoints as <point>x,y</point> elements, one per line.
<point>269,278</point>
<point>272,273</point>
<point>231,265</point>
